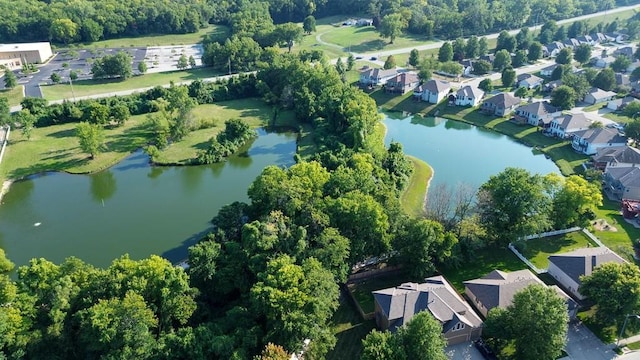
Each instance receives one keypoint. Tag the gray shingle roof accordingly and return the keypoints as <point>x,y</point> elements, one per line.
<point>471,92</point>
<point>436,86</point>
<point>505,100</point>
<point>573,121</point>
<point>583,261</point>
<point>497,288</point>
<point>601,136</point>
<point>529,77</point>
<point>539,108</point>
<point>628,176</point>
<point>401,303</point>
<point>601,94</point>
<point>618,154</point>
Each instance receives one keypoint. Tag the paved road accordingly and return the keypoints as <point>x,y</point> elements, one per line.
<point>583,345</point>
<point>464,351</point>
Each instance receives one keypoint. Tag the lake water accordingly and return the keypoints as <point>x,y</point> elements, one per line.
<point>462,153</point>
<point>131,208</point>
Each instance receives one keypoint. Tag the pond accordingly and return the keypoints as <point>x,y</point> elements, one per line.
<point>462,153</point>
<point>131,208</point>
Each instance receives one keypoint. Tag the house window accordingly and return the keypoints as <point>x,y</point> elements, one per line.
<point>459,326</point>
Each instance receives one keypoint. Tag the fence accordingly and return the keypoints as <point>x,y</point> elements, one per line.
<point>551,233</point>
<point>525,260</point>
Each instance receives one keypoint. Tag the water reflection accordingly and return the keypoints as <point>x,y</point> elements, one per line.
<point>103,186</point>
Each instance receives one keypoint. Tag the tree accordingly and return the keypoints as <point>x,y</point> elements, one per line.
<point>63,30</point>
<point>97,113</point>
<point>635,74</point>
<point>513,204</point>
<point>120,114</point>
<point>536,323</point>
<point>632,129</point>
<point>392,26</point>
<point>390,63</point>
<point>414,58</point>
<point>521,92</point>
<point>502,60</point>
<point>26,121</point>
<point>192,61</point>
<point>183,62</point>
<point>351,62</point>
<point>506,42</point>
<point>605,80</point>
<point>472,49</point>
<point>340,68</point>
<point>483,46</point>
<point>273,352</point>
<point>118,65</point>
<point>10,80</point>
<point>578,82</point>
<point>381,345</point>
<point>73,75</point>
<point>486,85</point>
<point>5,115</point>
<point>615,288</point>
<point>535,51</point>
<point>142,67</point>
<point>575,202</point>
<point>582,53</point>
<point>446,52</point>
<point>632,109</point>
<point>452,68</point>
<point>91,138</point>
<point>524,38</point>
<point>458,46</point>
<point>55,78</point>
<point>288,33</point>
<point>563,97</point>
<point>520,59</point>
<point>565,56</point>
<point>482,67</point>
<point>621,63</point>
<point>309,24</point>
<point>508,77</point>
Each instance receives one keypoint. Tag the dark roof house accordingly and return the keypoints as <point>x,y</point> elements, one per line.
<point>500,105</point>
<point>617,156</point>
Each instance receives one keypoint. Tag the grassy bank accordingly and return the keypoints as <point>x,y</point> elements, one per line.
<point>55,148</point>
<point>212,31</point>
<point>14,96</point>
<point>94,87</point>
<point>413,197</point>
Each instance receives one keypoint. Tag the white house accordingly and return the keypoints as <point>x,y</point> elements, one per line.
<point>589,141</point>
<point>469,96</point>
<point>14,56</point>
<point>548,70</point>
<point>565,126</point>
<point>596,96</point>
<point>375,77</point>
<point>529,81</point>
<point>539,113</point>
<point>567,268</point>
<point>434,91</point>
<point>619,104</point>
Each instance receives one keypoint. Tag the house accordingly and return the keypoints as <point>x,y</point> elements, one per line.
<point>497,289</point>
<point>467,67</point>
<point>402,83</point>
<point>539,113</point>
<point>634,65</point>
<point>434,91</point>
<point>620,104</point>
<point>586,39</point>
<point>375,77</point>
<point>624,51</point>
<point>500,105</point>
<point>603,61</point>
<point>13,56</point>
<point>364,22</point>
<point>617,156</point>
<point>571,43</point>
<point>589,141</point>
<point>554,48</point>
<point>396,306</point>
<point>545,51</point>
<point>529,81</point>
<point>567,268</point>
<point>548,70</point>
<point>488,57</point>
<point>469,96</point>
<point>599,37</point>
<point>622,182</point>
<point>564,126</point>
<point>622,80</point>
<point>551,85</point>
<point>596,95</point>
<point>617,37</point>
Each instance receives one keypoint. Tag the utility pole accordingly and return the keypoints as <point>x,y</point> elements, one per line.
<point>72,92</point>
<point>229,65</point>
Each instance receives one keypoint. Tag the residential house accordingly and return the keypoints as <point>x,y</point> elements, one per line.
<point>500,105</point>
<point>467,67</point>
<point>571,43</point>
<point>602,61</point>
<point>596,96</point>
<point>434,91</point>
<point>551,85</point>
<point>364,22</point>
<point>616,156</point>
<point>589,141</point>
<point>599,37</point>
<point>634,64</point>
<point>488,57</point>
<point>548,70</point>
<point>586,39</point>
<point>375,77</point>
<point>564,126</point>
<point>620,104</point>
<point>622,182</point>
<point>402,83</point>
<point>554,48</point>
<point>545,51</point>
<point>539,113</point>
<point>622,80</point>
<point>469,96</point>
<point>497,289</point>
<point>529,81</point>
<point>617,37</point>
<point>567,268</point>
<point>624,51</point>
<point>396,306</point>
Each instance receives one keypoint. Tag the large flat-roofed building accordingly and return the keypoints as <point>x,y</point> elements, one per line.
<point>15,55</point>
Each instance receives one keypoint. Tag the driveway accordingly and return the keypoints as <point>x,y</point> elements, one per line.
<point>464,351</point>
<point>583,345</point>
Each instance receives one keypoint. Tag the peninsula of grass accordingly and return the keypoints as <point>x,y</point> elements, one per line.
<point>95,87</point>
<point>14,96</point>
<point>413,197</point>
<point>538,250</point>
<point>210,31</point>
<point>55,148</point>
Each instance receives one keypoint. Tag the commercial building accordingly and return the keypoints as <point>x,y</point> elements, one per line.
<point>15,55</point>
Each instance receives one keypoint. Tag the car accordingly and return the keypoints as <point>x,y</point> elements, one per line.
<point>373,58</point>
<point>485,350</point>
<point>358,57</point>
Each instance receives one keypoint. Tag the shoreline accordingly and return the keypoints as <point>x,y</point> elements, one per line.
<point>5,188</point>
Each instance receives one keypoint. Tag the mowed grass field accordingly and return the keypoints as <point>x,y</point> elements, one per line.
<point>95,87</point>
<point>14,96</point>
<point>55,148</point>
<point>538,250</point>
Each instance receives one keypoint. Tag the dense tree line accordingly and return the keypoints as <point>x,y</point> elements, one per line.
<point>235,134</point>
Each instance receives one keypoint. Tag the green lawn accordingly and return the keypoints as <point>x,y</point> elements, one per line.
<point>14,96</point>
<point>594,107</point>
<point>538,250</point>
<point>211,31</point>
<point>93,87</point>
<point>400,103</point>
<point>366,39</point>
<point>485,261</point>
<point>349,329</point>
<point>618,118</point>
<point>619,240</point>
<point>413,197</point>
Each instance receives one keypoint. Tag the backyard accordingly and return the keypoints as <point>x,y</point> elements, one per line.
<point>538,250</point>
